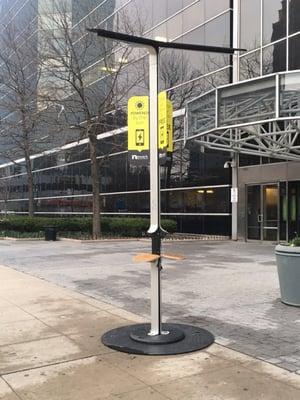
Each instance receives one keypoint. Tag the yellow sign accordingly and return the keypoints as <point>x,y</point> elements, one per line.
<point>170,125</point>
<point>165,122</point>
<point>138,123</point>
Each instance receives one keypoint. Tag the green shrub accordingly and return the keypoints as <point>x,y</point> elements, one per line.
<point>111,226</point>
<point>295,242</point>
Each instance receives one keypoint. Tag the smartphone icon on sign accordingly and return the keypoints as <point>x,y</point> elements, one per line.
<point>140,137</point>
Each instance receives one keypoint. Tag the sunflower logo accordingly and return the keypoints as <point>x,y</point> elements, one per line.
<point>139,105</point>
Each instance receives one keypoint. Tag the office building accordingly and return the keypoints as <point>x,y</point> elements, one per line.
<point>196,188</point>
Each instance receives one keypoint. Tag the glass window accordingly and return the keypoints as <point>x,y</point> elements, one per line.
<point>250,24</point>
<point>193,16</point>
<point>194,60</point>
<point>204,224</point>
<point>160,12</point>
<point>208,200</point>
<point>201,114</point>
<point>294,52</point>
<point>173,6</point>
<point>247,159</point>
<point>144,16</point>
<point>290,94</point>
<point>217,32</point>
<point>247,101</point>
<point>274,58</point>
<point>274,20</point>
<point>160,33</point>
<point>294,13</point>
<point>135,202</point>
<point>250,66</point>
<point>174,27</point>
<point>213,8</point>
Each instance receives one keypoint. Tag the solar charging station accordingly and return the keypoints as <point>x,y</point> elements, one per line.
<point>156,338</point>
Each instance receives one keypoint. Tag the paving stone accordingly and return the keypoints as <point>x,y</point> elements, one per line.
<point>227,384</point>
<point>145,394</point>
<point>89,378</point>
<point>5,391</point>
<point>229,288</point>
<point>153,370</point>
<point>36,353</point>
<point>24,331</point>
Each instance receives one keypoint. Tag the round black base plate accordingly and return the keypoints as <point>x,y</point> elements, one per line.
<point>194,339</point>
<point>140,333</point>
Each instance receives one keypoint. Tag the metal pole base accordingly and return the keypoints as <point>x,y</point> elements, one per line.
<point>180,339</point>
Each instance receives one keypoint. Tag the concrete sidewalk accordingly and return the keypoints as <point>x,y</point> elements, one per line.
<point>50,349</point>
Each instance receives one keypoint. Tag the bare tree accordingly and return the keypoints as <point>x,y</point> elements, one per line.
<point>90,79</point>
<point>19,80</point>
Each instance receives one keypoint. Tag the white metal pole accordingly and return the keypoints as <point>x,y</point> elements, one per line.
<point>154,229</point>
<point>236,77</point>
<point>236,38</point>
<point>234,204</point>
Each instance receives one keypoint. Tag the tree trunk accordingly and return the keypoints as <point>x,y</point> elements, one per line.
<point>95,175</point>
<point>30,186</point>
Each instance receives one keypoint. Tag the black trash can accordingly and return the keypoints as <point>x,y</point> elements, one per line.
<point>50,233</point>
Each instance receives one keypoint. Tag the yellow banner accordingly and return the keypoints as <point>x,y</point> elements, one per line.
<point>165,122</point>
<point>138,123</point>
<point>170,125</point>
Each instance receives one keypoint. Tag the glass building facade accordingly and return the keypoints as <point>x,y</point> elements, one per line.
<point>195,185</point>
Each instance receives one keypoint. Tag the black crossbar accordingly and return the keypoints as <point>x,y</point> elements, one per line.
<point>157,44</point>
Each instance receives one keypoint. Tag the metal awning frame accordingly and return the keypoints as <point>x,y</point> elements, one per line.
<point>276,137</point>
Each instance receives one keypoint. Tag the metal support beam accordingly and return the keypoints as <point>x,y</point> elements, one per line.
<point>154,230</point>
<point>236,39</point>
<point>234,203</point>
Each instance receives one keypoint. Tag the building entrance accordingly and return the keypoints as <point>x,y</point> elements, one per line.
<point>263,212</point>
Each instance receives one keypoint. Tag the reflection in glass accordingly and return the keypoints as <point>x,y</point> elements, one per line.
<point>144,14</point>
<point>283,212</point>
<point>274,58</point>
<point>159,12</point>
<point>250,24</point>
<point>290,95</point>
<point>294,20</point>
<point>294,208</point>
<point>294,52</point>
<point>270,212</point>
<point>204,224</point>
<point>173,6</point>
<point>274,20</point>
<point>174,27</point>
<point>201,114</point>
<point>160,33</point>
<point>127,202</point>
<point>250,66</point>
<point>253,212</point>
<point>207,200</point>
<point>195,59</point>
<point>217,32</point>
<point>193,16</point>
<point>213,8</point>
<point>247,102</point>
<point>176,68</point>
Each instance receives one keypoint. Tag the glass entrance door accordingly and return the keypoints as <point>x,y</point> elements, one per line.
<point>263,212</point>
<point>270,218</point>
<point>254,212</point>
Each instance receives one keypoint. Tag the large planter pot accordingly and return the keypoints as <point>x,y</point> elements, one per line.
<point>288,266</point>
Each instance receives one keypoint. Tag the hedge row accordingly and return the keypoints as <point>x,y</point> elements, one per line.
<point>114,226</point>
